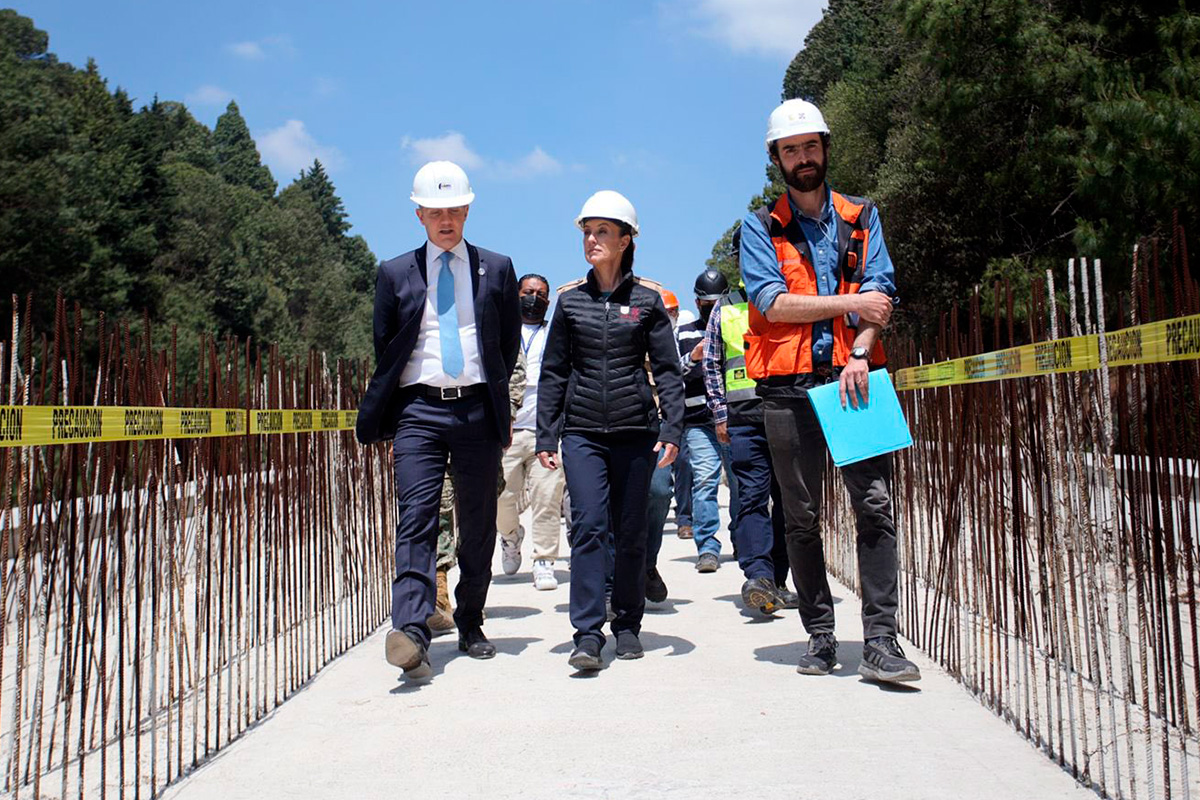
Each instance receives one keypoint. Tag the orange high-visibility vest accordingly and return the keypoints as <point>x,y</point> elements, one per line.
<point>785,348</point>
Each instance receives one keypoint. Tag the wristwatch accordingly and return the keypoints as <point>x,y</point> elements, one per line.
<point>859,352</point>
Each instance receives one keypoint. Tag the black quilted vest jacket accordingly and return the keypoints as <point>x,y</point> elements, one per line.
<point>594,379</point>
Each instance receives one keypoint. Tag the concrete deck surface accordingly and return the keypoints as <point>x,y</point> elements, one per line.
<point>714,710</point>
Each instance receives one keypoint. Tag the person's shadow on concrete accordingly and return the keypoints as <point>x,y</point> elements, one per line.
<point>511,612</point>
<point>667,606</point>
<point>657,641</point>
<point>752,616</point>
<point>507,645</point>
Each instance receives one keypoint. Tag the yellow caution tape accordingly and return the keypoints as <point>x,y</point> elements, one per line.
<point>25,426</point>
<point>1169,340</point>
<point>301,421</point>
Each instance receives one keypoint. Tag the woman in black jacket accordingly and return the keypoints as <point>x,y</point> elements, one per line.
<point>595,393</point>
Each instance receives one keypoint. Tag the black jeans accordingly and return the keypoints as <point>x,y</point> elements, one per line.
<point>608,477</point>
<point>798,452</point>
<point>758,530</point>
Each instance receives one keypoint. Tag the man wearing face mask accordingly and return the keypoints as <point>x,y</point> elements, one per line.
<point>705,453</point>
<point>524,476</point>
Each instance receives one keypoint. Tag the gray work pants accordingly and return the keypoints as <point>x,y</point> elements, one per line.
<point>798,452</point>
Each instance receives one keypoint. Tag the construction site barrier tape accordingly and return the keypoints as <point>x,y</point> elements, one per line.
<point>25,426</point>
<point>1169,340</point>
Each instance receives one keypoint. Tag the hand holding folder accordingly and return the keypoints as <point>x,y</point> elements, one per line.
<point>874,428</point>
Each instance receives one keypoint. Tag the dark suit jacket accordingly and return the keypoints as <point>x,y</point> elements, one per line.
<point>400,290</point>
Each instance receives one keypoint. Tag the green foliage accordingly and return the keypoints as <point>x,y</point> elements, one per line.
<point>126,211</point>
<point>1006,132</point>
<point>725,259</point>
<point>237,156</point>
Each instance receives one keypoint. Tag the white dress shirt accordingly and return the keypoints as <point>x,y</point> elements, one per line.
<point>533,342</point>
<point>425,363</point>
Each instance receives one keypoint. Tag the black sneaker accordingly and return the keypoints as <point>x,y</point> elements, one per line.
<point>586,656</point>
<point>787,597</point>
<point>821,658</point>
<point>883,660</point>
<point>656,589</point>
<point>761,593</point>
<point>707,562</point>
<point>629,646</point>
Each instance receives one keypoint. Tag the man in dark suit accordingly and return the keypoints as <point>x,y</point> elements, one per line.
<point>447,335</point>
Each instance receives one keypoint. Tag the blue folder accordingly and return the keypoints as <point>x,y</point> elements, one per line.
<point>855,434</point>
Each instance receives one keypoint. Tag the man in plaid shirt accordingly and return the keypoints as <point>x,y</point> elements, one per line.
<point>758,528</point>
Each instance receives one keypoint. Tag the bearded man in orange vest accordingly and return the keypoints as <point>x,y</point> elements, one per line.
<point>820,284</point>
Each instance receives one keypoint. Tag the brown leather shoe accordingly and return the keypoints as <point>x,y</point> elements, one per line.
<point>684,531</point>
<point>408,654</point>
<point>441,621</point>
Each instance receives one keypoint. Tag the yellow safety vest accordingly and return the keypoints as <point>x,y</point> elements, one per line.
<point>735,322</point>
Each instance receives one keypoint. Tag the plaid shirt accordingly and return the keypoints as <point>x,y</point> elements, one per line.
<point>713,364</point>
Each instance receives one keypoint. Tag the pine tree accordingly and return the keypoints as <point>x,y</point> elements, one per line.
<point>237,157</point>
<point>315,182</point>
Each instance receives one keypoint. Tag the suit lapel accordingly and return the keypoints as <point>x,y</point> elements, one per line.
<point>418,278</point>
<point>479,276</point>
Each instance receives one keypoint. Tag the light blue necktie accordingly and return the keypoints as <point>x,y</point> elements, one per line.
<point>448,332</point>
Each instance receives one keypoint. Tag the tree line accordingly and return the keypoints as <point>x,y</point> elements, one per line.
<point>1002,137</point>
<point>128,210</point>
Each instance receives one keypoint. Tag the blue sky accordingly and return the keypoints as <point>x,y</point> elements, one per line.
<point>542,102</point>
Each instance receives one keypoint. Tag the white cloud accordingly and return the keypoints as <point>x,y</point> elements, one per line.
<point>326,87</point>
<point>260,49</point>
<point>453,147</point>
<point>208,95</point>
<point>251,51</point>
<point>536,162</point>
<point>774,28</point>
<point>291,148</point>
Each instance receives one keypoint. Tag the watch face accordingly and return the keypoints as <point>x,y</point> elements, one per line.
<point>859,352</point>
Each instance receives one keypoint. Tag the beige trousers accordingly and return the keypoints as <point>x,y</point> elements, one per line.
<point>527,484</point>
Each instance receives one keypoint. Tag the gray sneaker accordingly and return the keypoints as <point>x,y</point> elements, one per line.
<point>790,599</point>
<point>883,660</point>
<point>821,658</point>
<point>761,594</point>
<point>586,656</point>
<point>629,646</point>
<point>707,562</point>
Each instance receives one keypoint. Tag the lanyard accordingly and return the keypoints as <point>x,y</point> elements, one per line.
<point>532,338</point>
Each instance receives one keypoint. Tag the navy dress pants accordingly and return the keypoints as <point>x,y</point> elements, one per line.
<point>758,526</point>
<point>608,476</point>
<point>429,432</point>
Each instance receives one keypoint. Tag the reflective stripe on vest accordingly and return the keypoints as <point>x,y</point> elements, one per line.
<point>785,348</point>
<point>735,321</point>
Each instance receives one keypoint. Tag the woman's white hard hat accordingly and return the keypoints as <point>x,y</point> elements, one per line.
<point>441,184</point>
<point>610,205</point>
<point>794,117</point>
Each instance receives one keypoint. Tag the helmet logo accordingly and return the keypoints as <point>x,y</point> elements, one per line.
<point>445,185</point>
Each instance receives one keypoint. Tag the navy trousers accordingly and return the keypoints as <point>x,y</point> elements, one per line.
<point>608,476</point>
<point>758,528</point>
<point>428,433</point>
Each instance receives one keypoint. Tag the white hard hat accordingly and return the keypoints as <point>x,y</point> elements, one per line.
<point>441,184</point>
<point>794,117</point>
<point>610,205</point>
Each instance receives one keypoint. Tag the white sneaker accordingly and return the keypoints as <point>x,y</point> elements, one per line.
<point>510,552</point>
<point>543,575</point>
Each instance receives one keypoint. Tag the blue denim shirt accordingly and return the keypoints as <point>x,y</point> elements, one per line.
<point>764,279</point>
